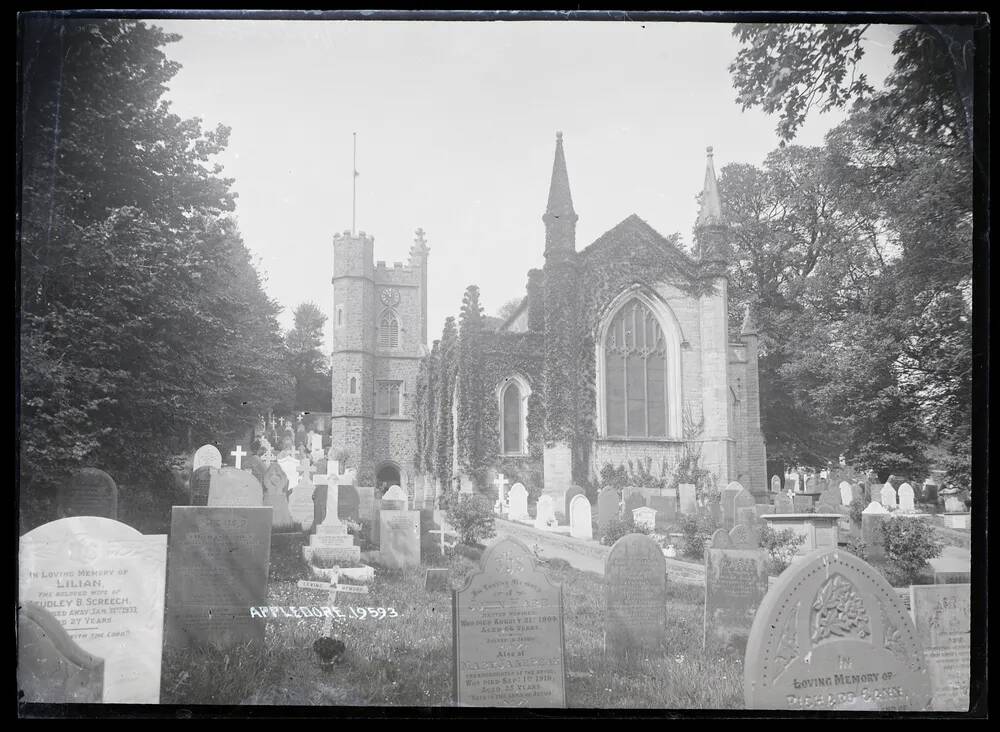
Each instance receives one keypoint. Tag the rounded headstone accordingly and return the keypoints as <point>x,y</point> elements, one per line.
<point>207,455</point>
<point>832,634</point>
<point>635,575</point>
<point>89,492</point>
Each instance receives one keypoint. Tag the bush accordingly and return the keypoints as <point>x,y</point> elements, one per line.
<point>617,528</point>
<point>471,515</point>
<point>909,542</point>
<point>856,546</point>
<point>780,546</point>
<point>697,530</point>
<point>856,508</point>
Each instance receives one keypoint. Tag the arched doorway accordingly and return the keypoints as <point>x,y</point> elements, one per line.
<point>388,475</point>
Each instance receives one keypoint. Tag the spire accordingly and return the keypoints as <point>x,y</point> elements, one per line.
<point>749,325</point>
<point>560,218</point>
<point>710,213</point>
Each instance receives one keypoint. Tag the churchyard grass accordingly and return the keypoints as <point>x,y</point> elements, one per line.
<point>407,660</point>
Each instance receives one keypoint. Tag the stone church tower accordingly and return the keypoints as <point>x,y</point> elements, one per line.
<point>379,338</point>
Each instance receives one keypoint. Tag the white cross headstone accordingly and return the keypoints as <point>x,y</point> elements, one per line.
<point>238,454</point>
<point>299,419</point>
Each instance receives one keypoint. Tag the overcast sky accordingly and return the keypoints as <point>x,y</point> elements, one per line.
<point>456,128</point>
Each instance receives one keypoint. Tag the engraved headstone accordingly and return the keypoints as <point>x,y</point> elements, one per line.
<point>688,498</point>
<point>103,582</point>
<point>399,538</point>
<point>607,507</point>
<point>735,583</point>
<point>801,502</point>
<point>518,503</point>
<point>88,492</point>
<point>508,629</point>
<point>51,667</point>
<point>743,502</point>
<point>219,558</point>
<point>572,493</point>
<point>579,518</point>
<point>206,455</point>
<point>906,497</point>
<point>635,578</point>
<point>234,487</point>
<point>942,614</point>
<point>832,634</point>
<point>742,536</point>
<point>888,495</point>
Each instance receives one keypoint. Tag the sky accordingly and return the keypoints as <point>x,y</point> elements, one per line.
<point>456,125</point>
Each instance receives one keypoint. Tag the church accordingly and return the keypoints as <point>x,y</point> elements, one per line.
<point>620,356</point>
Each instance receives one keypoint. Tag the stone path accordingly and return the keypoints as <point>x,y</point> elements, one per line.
<point>587,556</point>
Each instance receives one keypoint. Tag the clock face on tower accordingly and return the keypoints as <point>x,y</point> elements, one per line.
<point>390,296</point>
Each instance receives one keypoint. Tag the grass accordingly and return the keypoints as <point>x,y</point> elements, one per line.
<point>407,660</point>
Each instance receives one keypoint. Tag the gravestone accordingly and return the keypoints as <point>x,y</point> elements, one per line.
<point>508,633</point>
<point>830,495</point>
<point>956,520</point>
<point>720,540</point>
<point>256,466</point>
<point>735,583</point>
<point>290,465</point>
<point>644,517</point>
<point>300,503</point>
<point>206,455</point>
<point>832,634</point>
<point>219,558</point>
<point>201,481</point>
<point>953,505</point>
<point>942,615</point>
<point>906,498</point>
<point>579,518</point>
<point>234,487</point>
<point>51,667</point>
<point>436,579</point>
<point>775,484</point>
<point>394,499</point>
<point>635,580</point>
<point>633,500</point>
<point>743,502</point>
<point>276,496</point>
<point>742,536</point>
<point>888,495</point>
<point>88,492</point>
<point>348,502</point>
<point>399,538</point>
<point>783,504</point>
<point>871,529</point>
<point>801,503</point>
<point>366,502</point>
<point>518,503</point>
<point>747,515</point>
<point>103,582</point>
<point>572,493</point>
<point>666,510</point>
<point>846,493</point>
<point>545,511</point>
<point>332,543</point>
<point>688,498</point>
<point>607,507</point>
<point>727,503</point>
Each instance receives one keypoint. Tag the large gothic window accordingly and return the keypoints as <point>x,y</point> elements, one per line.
<point>388,330</point>
<point>512,397</point>
<point>635,374</point>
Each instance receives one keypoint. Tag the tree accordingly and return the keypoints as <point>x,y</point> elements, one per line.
<point>509,307</point>
<point>307,364</point>
<point>143,326</point>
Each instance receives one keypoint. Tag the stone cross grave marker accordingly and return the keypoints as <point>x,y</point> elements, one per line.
<point>608,507</point>
<point>518,506</point>
<point>635,581</point>
<point>218,563</point>
<point>500,482</point>
<point>888,495</point>
<point>906,498</point>
<point>688,498</point>
<point>88,492</point>
<point>238,454</point>
<point>846,493</point>
<point>332,542</point>
<point>735,583</point>
<point>234,487</point>
<point>103,582</point>
<point>544,511</point>
<point>832,634</point>
<point>523,665</point>
<point>579,518</point>
<point>51,667</point>
<point>942,615</point>
<point>206,455</point>
<point>331,589</point>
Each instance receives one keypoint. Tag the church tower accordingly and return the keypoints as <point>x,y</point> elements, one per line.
<point>561,329</point>
<point>379,337</point>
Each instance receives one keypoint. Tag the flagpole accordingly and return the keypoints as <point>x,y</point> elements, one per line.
<point>354,185</point>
